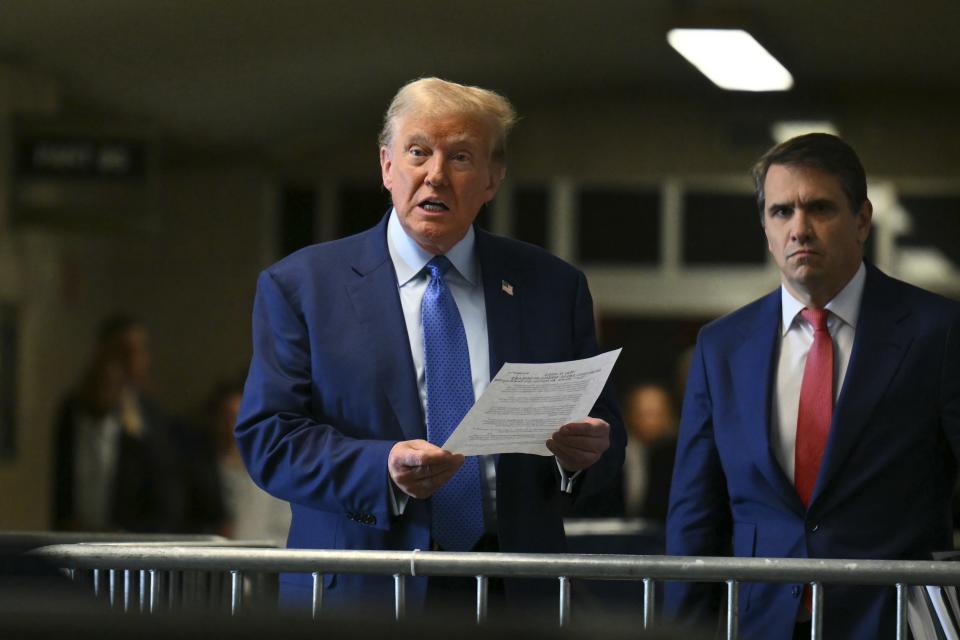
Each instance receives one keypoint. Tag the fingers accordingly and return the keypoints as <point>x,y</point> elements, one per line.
<point>588,427</point>
<point>586,436</point>
<point>579,445</point>
<point>419,468</point>
<point>573,459</point>
<point>418,453</point>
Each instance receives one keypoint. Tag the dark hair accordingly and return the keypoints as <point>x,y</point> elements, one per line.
<point>821,151</point>
<point>117,324</point>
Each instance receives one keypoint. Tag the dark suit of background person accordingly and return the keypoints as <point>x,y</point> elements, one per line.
<point>332,392</point>
<point>885,479</point>
<point>116,462</point>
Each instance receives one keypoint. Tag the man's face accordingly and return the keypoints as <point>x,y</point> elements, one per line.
<point>813,235</point>
<point>132,350</point>
<point>439,172</point>
<point>649,413</point>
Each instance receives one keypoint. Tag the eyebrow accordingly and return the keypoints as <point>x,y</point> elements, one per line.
<point>823,202</point>
<point>804,204</point>
<point>421,139</point>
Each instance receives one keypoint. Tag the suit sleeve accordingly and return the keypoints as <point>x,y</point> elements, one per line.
<point>698,520</point>
<point>287,451</point>
<point>950,387</point>
<point>604,477</point>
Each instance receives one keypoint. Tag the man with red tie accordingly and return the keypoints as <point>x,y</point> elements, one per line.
<point>823,419</point>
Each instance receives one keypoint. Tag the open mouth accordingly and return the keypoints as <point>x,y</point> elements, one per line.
<point>433,206</point>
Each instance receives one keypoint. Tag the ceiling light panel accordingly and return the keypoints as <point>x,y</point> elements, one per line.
<point>731,58</point>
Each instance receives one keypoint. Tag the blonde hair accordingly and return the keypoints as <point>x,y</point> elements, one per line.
<point>433,97</point>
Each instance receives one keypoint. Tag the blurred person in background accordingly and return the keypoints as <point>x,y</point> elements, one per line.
<point>250,512</point>
<point>822,420</point>
<point>651,423</point>
<point>115,451</point>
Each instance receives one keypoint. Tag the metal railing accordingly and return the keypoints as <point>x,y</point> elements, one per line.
<point>149,560</point>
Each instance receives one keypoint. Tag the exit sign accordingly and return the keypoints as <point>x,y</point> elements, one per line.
<point>70,157</point>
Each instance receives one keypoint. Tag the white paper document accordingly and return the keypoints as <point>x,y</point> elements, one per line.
<point>526,403</point>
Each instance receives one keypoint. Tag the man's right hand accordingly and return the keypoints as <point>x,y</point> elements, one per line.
<point>419,468</point>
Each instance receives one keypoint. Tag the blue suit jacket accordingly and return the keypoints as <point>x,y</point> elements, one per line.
<point>332,387</point>
<point>885,482</point>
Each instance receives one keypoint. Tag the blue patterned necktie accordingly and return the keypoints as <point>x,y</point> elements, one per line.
<point>457,506</point>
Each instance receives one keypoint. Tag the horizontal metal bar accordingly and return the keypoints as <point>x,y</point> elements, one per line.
<point>426,563</point>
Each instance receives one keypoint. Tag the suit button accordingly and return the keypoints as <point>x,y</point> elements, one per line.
<point>795,592</point>
<point>814,528</point>
<point>370,519</point>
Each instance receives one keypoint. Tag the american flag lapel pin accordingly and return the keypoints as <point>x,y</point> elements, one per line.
<point>506,287</point>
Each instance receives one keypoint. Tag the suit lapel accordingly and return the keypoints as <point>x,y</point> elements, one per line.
<point>376,302</point>
<point>753,367</point>
<point>503,289</point>
<point>882,340</point>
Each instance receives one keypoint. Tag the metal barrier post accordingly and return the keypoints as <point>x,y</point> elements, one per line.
<point>399,596</point>
<point>649,602</point>
<point>143,589</point>
<point>901,611</point>
<point>317,594</point>
<point>816,621</point>
<point>564,601</point>
<point>113,588</point>
<point>236,591</point>
<point>733,609</point>
<point>126,590</point>
<point>154,591</point>
<point>96,583</point>
<point>482,587</point>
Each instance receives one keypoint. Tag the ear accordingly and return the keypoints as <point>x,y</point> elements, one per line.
<point>497,174</point>
<point>766,232</point>
<point>864,221</point>
<point>386,163</point>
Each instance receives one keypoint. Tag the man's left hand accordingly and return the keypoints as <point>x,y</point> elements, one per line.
<point>579,445</point>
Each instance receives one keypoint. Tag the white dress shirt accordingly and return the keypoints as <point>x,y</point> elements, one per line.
<point>96,445</point>
<point>796,337</point>
<point>464,283</point>
<point>466,286</point>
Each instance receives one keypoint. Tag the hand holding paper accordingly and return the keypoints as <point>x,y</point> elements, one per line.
<point>526,404</point>
<point>580,444</point>
<point>419,468</point>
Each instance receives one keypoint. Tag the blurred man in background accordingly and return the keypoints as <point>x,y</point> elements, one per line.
<point>651,423</point>
<point>115,451</point>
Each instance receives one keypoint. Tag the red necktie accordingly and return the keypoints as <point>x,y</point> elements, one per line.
<point>816,405</point>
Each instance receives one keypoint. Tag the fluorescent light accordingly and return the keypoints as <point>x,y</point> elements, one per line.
<point>785,129</point>
<point>731,58</point>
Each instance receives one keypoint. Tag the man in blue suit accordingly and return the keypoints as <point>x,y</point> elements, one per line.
<point>362,345</point>
<point>822,420</point>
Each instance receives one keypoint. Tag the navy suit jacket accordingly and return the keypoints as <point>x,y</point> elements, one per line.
<point>886,478</point>
<point>332,388</point>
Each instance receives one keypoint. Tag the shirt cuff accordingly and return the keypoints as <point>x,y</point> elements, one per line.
<point>398,499</point>
<point>567,478</point>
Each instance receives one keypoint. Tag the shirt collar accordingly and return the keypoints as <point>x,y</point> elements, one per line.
<point>409,258</point>
<point>845,305</point>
